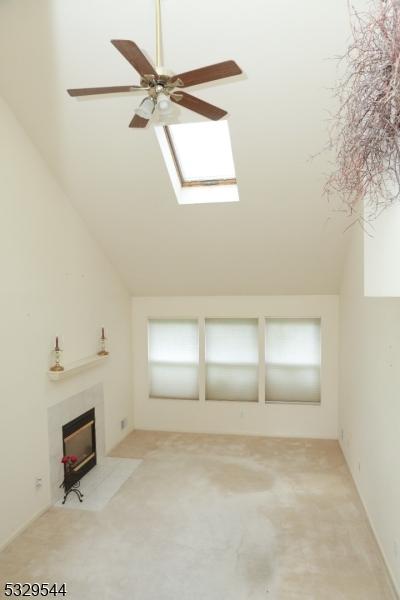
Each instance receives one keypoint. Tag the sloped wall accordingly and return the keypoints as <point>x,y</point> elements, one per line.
<point>54,281</point>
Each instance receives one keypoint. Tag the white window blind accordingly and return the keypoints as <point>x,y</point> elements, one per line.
<point>173,358</point>
<point>232,359</point>
<point>293,360</point>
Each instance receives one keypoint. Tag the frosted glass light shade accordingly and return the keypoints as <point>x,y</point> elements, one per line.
<point>173,348</point>
<point>232,359</point>
<point>163,103</point>
<point>145,109</point>
<point>293,360</point>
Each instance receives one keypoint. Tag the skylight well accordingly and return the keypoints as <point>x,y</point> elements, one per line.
<point>199,160</point>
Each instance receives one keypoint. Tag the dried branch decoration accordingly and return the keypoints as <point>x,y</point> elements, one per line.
<point>366,130</point>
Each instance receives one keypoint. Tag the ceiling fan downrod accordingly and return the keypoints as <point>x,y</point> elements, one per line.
<point>158,35</point>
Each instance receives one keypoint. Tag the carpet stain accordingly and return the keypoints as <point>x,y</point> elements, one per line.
<point>212,518</point>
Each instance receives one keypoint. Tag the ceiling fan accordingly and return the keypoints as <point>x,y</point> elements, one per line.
<point>161,85</point>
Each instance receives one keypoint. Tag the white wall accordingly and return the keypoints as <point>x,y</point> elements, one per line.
<point>238,417</point>
<point>370,401</point>
<point>382,254</point>
<point>54,281</point>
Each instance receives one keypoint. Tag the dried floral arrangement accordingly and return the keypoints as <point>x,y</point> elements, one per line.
<point>365,134</point>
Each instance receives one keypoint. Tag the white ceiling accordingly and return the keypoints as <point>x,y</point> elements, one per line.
<point>282,237</point>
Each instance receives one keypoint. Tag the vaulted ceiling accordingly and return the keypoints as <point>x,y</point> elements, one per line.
<point>283,236</point>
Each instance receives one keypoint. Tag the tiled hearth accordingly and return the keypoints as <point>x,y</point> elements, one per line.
<point>102,483</point>
<point>62,413</point>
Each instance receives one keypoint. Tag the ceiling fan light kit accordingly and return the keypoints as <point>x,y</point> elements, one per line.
<point>163,87</point>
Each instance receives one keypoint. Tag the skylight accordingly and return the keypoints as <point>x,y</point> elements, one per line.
<point>203,152</point>
<point>199,161</point>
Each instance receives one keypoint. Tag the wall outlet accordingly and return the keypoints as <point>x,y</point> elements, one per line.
<point>38,482</point>
<point>342,435</point>
<point>124,422</point>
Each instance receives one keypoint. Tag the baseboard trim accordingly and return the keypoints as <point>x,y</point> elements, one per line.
<point>395,589</point>
<point>109,450</point>
<point>22,528</point>
<point>41,512</point>
<point>205,431</point>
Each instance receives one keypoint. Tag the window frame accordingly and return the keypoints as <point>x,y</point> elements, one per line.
<point>148,361</point>
<point>291,402</point>
<point>257,365</point>
<point>192,182</point>
<point>201,318</point>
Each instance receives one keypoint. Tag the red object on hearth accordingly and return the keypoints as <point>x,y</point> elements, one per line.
<point>70,458</point>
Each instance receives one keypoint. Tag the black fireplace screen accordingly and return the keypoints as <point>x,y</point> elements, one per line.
<point>79,439</point>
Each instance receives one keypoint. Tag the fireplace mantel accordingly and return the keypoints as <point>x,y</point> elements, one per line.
<point>77,366</point>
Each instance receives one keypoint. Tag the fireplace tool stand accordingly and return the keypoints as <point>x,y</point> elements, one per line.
<point>68,488</point>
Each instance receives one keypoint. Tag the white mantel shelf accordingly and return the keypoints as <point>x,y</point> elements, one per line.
<point>77,366</point>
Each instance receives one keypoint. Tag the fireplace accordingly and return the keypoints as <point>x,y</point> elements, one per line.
<point>79,438</point>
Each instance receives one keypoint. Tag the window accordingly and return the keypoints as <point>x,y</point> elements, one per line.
<point>232,359</point>
<point>173,358</point>
<point>202,153</point>
<point>199,160</point>
<point>293,360</point>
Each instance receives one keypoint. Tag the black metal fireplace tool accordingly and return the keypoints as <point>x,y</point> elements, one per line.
<point>71,487</point>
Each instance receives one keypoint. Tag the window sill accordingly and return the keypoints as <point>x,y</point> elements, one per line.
<point>298,403</point>
<point>174,399</point>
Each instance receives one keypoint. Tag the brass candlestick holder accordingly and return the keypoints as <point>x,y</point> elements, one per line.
<point>103,351</point>
<point>57,354</point>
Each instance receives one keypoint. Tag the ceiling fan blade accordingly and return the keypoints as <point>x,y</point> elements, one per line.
<point>138,122</point>
<point>199,106</point>
<point>211,73</point>
<point>135,57</point>
<point>105,90</point>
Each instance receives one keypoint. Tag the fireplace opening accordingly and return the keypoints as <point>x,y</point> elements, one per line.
<point>79,438</point>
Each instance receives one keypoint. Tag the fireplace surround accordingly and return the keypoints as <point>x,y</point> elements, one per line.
<point>64,412</point>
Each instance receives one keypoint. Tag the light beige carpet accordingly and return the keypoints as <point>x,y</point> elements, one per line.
<point>212,518</point>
